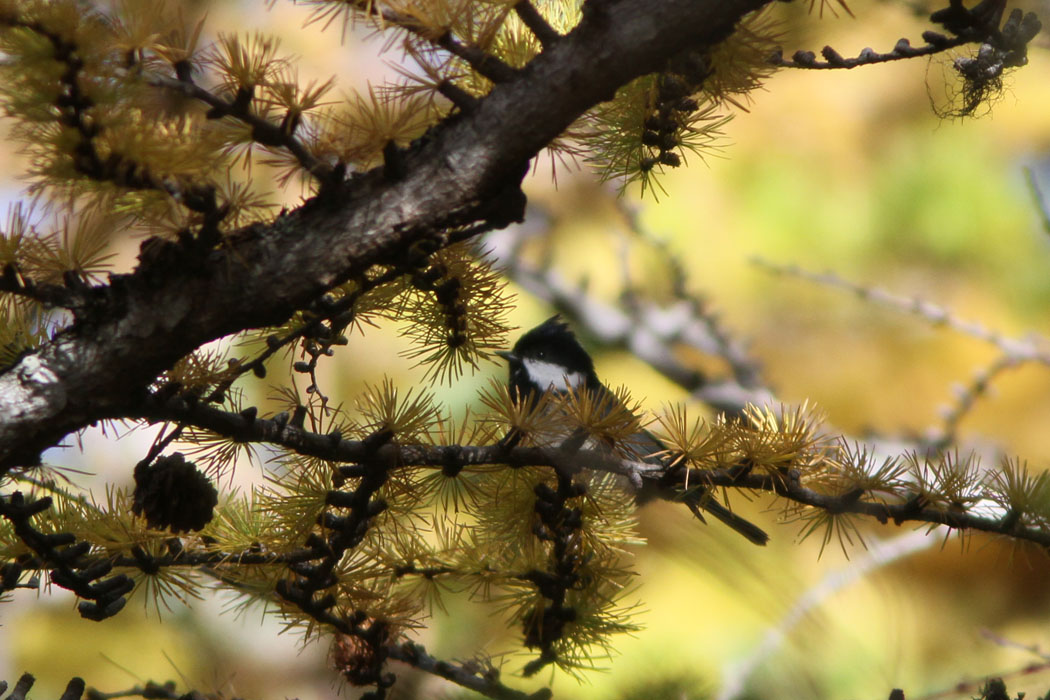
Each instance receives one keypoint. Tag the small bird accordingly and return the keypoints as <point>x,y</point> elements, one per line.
<point>549,357</point>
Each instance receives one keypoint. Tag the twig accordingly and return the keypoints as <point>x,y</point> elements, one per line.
<point>14,282</point>
<point>745,368</point>
<point>868,57</point>
<point>651,332</point>
<point>1004,642</point>
<point>484,63</point>
<point>966,398</point>
<point>70,567</point>
<point>539,27</point>
<point>165,691</point>
<point>263,131</point>
<point>486,684</point>
<point>1017,349</point>
<point>337,314</point>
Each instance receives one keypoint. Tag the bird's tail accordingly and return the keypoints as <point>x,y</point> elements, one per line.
<point>745,527</point>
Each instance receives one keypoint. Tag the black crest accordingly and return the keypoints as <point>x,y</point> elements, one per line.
<point>554,342</point>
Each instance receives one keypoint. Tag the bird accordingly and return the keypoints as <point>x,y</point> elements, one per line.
<point>550,358</point>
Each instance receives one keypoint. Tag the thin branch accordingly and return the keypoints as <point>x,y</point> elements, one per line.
<point>539,27</point>
<point>165,691</point>
<point>66,557</point>
<point>868,57</point>
<point>263,131</point>
<point>745,368</point>
<point>1017,349</point>
<point>666,481</point>
<point>831,8</point>
<point>483,62</point>
<point>737,674</point>
<point>966,398</point>
<point>1011,644</point>
<point>650,331</point>
<point>487,683</point>
<point>457,95</point>
<point>338,314</point>
<point>14,282</point>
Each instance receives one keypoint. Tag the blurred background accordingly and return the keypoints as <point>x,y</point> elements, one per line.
<point>842,171</point>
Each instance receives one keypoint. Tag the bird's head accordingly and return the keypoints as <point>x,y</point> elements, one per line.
<point>549,356</point>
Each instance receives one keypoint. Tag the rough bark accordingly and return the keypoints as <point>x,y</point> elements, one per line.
<point>467,170</point>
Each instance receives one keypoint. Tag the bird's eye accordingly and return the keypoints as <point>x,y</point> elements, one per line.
<point>541,353</point>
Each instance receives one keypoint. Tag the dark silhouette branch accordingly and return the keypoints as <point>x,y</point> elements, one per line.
<point>180,296</point>
<point>484,63</point>
<point>73,107</point>
<point>14,282</point>
<point>66,558</point>
<point>485,683</point>
<point>901,51</point>
<point>264,132</point>
<point>663,481</point>
<point>531,18</point>
<point>165,691</point>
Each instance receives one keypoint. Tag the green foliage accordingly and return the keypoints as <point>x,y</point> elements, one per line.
<point>656,121</point>
<point>618,127</point>
<point>463,320</point>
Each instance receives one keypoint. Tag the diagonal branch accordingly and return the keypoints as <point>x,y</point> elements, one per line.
<point>481,683</point>
<point>1032,348</point>
<point>648,330</point>
<point>531,18</point>
<point>484,63</point>
<point>180,296</point>
<point>263,131</point>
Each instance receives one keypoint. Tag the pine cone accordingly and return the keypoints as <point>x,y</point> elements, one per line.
<point>173,494</point>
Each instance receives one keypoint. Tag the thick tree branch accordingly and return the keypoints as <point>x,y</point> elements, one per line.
<point>180,296</point>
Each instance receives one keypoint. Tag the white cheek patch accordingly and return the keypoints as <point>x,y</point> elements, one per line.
<point>547,374</point>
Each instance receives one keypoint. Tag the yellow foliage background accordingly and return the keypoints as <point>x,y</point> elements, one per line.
<point>847,171</point>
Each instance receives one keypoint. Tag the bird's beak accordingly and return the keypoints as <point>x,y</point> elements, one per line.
<point>507,355</point>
